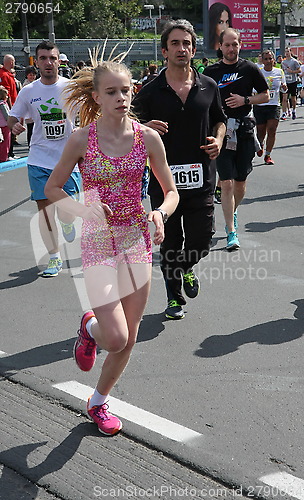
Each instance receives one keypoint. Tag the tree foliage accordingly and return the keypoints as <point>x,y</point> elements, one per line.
<point>272,8</point>
<point>110,18</point>
<point>76,19</point>
<point>6,21</point>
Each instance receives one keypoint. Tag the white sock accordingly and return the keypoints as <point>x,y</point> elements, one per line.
<point>55,255</point>
<point>89,324</point>
<point>97,399</point>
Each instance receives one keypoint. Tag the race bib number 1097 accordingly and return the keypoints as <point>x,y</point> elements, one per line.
<point>53,130</point>
<point>188,176</point>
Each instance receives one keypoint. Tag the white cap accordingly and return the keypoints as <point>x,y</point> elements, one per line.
<point>63,57</point>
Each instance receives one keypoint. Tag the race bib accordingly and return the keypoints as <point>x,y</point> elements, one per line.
<point>53,130</point>
<point>288,78</point>
<point>188,176</point>
<point>272,94</point>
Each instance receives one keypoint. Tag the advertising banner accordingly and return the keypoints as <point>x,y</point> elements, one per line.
<point>244,15</point>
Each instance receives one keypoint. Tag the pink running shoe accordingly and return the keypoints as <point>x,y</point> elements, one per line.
<point>268,160</point>
<point>107,424</point>
<point>85,346</point>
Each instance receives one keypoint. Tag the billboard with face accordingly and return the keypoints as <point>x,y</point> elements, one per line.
<point>244,15</point>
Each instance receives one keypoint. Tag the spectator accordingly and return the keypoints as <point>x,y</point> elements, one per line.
<point>259,63</point>
<point>64,69</point>
<point>30,76</point>
<point>17,82</point>
<point>7,78</point>
<point>80,65</point>
<point>5,131</point>
<point>144,76</point>
<point>152,74</point>
<point>201,67</point>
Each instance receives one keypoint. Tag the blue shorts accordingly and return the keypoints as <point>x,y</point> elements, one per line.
<point>38,177</point>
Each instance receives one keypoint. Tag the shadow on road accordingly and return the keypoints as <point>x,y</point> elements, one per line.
<point>264,227</point>
<point>38,356</point>
<point>271,333</point>
<point>16,458</point>
<point>274,197</point>
<point>150,327</point>
<point>20,278</point>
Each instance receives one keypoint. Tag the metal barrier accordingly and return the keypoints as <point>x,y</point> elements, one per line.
<point>77,49</point>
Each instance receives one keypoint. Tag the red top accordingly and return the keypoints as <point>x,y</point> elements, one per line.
<point>7,80</point>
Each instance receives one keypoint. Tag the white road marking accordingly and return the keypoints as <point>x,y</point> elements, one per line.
<point>286,483</point>
<point>9,243</point>
<point>3,354</point>
<point>136,415</point>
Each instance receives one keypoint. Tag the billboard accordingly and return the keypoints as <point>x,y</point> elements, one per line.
<point>244,15</point>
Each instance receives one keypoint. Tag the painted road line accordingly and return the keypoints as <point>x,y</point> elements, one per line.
<point>285,483</point>
<point>13,207</point>
<point>13,164</point>
<point>136,415</point>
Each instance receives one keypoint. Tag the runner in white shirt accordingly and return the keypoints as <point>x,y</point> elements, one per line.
<point>42,101</point>
<point>267,115</point>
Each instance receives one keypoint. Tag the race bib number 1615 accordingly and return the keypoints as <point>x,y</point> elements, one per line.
<point>187,176</point>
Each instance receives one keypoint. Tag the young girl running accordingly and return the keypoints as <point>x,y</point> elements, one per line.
<point>111,150</point>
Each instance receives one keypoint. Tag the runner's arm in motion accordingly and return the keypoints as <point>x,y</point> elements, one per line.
<point>15,125</point>
<point>236,100</point>
<point>162,172</point>
<point>215,141</point>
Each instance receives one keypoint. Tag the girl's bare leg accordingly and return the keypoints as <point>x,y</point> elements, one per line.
<point>117,321</point>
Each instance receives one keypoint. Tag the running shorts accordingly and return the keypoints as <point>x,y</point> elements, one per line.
<point>38,177</point>
<point>292,88</point>
<point>237,164</point>
<point>264,113</point>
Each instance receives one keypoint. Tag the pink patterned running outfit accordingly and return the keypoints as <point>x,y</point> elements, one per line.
<point>123,236</point>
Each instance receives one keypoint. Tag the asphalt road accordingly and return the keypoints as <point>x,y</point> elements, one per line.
<point>217,394</point>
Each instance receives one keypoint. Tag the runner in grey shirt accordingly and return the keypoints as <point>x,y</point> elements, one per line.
<point>291,68</point>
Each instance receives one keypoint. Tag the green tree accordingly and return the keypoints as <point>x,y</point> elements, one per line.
<point>69,21</point>
<point>95,18</point>
<point>192,9</point>
<point>75,19</point>
<point>273,8</point>
<point>6,20</point>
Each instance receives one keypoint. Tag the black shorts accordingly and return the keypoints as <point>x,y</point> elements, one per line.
<point>292,89</point>
<point>237,164</point>
<point>264,113</point>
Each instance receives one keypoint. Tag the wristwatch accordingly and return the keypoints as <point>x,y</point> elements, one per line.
<point>246,101</point>
<point>163,213</point>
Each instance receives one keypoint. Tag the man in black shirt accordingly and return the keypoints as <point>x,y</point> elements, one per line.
<point>185,108</point>
<point>236,79</point>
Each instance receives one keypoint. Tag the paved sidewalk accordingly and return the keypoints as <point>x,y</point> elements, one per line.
<point>50,451</point>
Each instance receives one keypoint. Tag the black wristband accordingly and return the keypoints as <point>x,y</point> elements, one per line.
<point>163,213</point>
